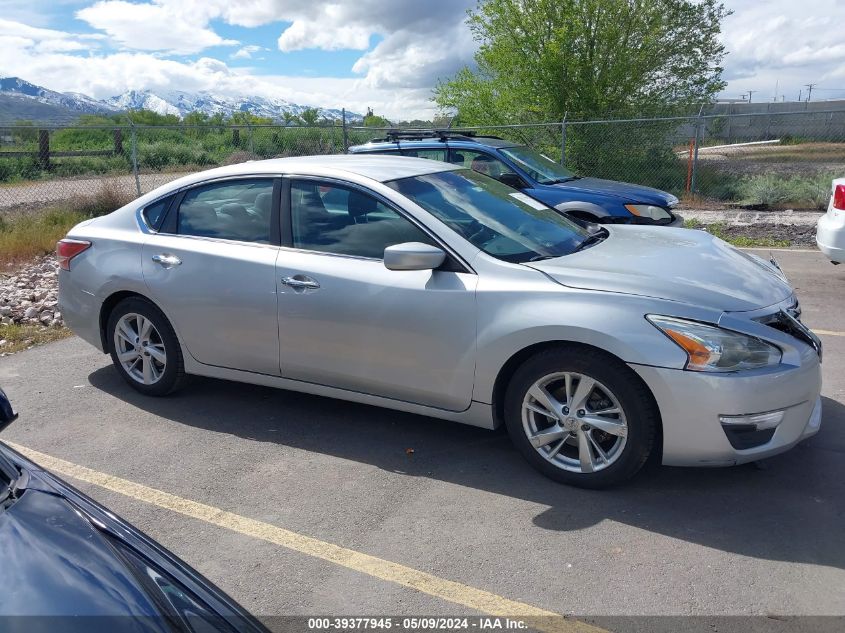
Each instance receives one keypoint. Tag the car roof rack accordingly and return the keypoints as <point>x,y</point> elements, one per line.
<point>394,136</point>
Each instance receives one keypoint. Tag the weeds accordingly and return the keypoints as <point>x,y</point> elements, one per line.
<point>731,236</point>
<point>17,338</point>
<point>36,234</point>
<point>771,190</point>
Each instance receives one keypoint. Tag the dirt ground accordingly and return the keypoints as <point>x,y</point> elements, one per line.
<point>804,159</point>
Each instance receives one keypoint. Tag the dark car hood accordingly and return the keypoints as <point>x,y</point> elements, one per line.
<point>46,543</point>
<point>670,263</point>
<point>622,190</point>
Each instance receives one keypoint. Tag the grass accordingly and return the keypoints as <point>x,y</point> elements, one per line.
<point>27,236</point>
<point>719,230</point>
<point>21,337</point>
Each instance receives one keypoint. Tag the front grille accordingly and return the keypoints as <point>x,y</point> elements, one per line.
<point>787,321</point>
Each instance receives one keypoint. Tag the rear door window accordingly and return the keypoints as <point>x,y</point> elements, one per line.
<point>231,209</point>
<point>154,213</point>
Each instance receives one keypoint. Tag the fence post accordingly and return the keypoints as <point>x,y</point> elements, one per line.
<point>563,140</point>
<point>345,132</point>
<point>44,149</point>
<point>118,141</point>
<point>249,134</point>
<point>135,159</point>
<point>698,124</point>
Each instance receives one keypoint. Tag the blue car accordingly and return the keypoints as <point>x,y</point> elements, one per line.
<point>582,198</point>
<point>68,564</point>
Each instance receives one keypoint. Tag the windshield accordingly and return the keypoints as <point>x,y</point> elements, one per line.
<point>541,168</point>
<point>501,221</point>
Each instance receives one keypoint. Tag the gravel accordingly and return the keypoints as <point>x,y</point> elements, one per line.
<point>29,294</point>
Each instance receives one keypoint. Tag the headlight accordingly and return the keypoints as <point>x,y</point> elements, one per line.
<point>710,348</point>
<point>649,211</point>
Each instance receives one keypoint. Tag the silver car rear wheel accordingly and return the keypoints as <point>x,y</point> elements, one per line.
<point>140,349</point>
<point>575,422</point>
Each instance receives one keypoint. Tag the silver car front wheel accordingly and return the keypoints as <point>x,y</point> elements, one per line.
<point>574,421</point>
<point>581,416</point>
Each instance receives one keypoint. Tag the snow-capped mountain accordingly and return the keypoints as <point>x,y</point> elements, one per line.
<point>73,101</point>
<point>170,102</point>
<point>181,103</point>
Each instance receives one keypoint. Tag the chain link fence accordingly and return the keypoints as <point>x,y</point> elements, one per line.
<point>764,159</point>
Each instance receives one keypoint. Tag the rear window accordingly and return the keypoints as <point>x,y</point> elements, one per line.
<point>154,213</point>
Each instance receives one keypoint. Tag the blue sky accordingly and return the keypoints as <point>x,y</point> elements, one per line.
<point>384,54</point>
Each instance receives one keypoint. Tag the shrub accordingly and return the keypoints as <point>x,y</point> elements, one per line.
<point>764,190</point>
<point>37,233</point>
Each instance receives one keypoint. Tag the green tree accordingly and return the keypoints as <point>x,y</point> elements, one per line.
<point>310,116</point>
<point>374,120</point>
<point>540,59</point>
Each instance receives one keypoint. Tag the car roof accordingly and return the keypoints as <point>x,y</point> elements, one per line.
<point>374,167</point>
<point>434,143</point>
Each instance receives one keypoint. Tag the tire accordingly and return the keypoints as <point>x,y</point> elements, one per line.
<point>570,447</point>
<point>158,368</point>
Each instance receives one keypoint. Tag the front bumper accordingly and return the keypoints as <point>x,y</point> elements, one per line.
<point>691,402</point>
<point>830,236</point>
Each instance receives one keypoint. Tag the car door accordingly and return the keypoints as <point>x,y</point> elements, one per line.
<point>346,321</point>
<point>211,269</point>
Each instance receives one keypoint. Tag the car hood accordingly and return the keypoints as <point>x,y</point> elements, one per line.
<point>46,543</point>
<point>623,190</point>
<point>682,265</point>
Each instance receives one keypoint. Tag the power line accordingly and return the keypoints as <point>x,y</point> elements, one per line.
<point>810,90</point>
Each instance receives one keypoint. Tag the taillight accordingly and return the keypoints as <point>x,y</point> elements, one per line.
<point>67,249</point>
<point>839,197</point>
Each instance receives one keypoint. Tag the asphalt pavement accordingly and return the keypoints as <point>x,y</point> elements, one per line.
<point>451,501</point>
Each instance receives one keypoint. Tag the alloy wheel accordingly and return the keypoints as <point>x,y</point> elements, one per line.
<point>575,422</point>
<point>140,349</point>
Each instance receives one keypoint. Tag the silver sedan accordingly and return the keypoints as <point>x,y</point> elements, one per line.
<point>420,286</point>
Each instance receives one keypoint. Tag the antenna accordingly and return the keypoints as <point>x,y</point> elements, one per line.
<point>810,90</point>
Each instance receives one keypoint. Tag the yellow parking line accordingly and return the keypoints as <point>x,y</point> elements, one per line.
<point>828,332</point>
<point>458,593</point>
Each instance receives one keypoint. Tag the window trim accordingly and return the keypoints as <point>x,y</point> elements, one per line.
<point>169,224</point>
<point>142,218</point>
<point>455,262</point>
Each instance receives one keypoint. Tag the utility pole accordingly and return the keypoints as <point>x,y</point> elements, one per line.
<point>810,90</point>
<point>751,92</point>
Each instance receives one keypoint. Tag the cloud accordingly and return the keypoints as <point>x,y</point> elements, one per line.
<point>161,26</point>
<point>421,41</point>
<point>102,75</point>
<point>783,43</point>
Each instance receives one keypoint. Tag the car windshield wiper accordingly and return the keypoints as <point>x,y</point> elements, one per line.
<point>596,237</point>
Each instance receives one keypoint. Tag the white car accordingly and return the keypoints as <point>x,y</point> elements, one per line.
<point>830,231</point>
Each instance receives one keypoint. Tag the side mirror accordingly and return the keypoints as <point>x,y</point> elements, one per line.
<point>7,413</point>
<point>511,180</point>
<point>413,256</point>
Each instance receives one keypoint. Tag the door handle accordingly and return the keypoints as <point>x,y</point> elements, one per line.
<point>166,261</point>
<point>301,282</point>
